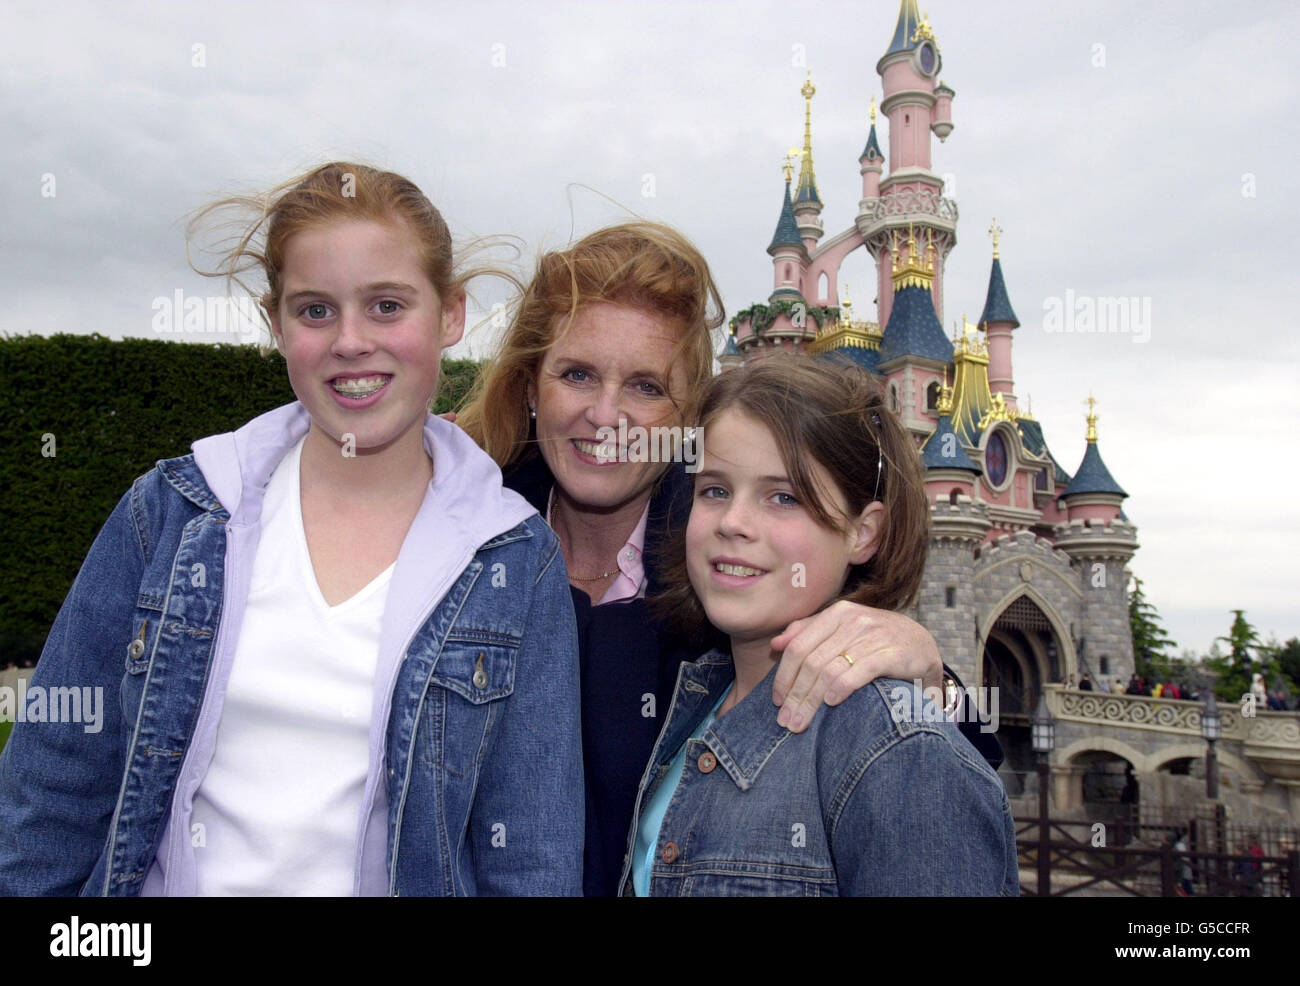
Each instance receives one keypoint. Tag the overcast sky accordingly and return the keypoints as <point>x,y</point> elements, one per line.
<point>1137,150</point>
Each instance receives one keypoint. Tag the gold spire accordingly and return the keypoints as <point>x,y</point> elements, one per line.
<point>966,341</point>
<point>1092,419</point>
<point>846,307</point>
<point>873,111</point>
<point>807,177</point>
<point>995,231</point>
<point>915,271</point>
<point>788,165</point>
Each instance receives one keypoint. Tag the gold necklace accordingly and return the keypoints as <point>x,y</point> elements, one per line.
<point>594,578</point>
<point>550,509</point>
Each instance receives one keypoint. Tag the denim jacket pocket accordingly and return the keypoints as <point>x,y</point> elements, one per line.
<point>461,709</point>
<point>476,670</point>
<point>145,624</point>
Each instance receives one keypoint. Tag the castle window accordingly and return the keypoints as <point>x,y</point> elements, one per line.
<point>893,398</point>
<point>787,272</point>
<point>952,496</point>
<point>995,460</point>
<point>1104,664</point>
<point>950,597</point>
<point>1041,481</point>
<point>932,397</point>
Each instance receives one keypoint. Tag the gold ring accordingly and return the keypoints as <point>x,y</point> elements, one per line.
<point>846,657</point>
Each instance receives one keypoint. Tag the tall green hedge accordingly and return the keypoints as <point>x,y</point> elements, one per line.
<point>107,411</point>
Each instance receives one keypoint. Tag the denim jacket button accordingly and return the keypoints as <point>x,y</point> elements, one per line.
<point>670,852</point>
<point>480,678</point>
<point>136,649</point>
<point>706,763</point>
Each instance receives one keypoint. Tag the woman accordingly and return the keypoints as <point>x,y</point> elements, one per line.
<point>615,333</point>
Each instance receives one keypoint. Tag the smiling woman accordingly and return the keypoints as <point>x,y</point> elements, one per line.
<point>335,689</point>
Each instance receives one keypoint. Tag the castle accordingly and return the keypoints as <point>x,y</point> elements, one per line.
<point>1025,584</point>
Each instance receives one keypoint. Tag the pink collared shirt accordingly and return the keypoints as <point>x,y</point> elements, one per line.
<point>631,581</point>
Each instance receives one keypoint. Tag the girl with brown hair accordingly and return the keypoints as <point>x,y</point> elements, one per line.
<point>872,799</point>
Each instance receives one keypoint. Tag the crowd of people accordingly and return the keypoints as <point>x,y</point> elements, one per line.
<point>1275,701</point>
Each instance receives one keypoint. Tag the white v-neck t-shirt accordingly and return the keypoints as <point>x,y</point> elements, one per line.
<point>279,809</point>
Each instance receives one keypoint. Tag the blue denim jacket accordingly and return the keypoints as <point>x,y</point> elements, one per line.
<point>866,802</point>
<point>475,784</point>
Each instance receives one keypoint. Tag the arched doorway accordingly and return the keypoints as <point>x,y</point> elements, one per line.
<point>1020,653</point>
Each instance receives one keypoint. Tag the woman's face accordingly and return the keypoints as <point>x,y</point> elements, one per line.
<point>611,366</point>
<point>757,558</point>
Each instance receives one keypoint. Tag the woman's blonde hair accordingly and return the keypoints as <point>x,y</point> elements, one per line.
<point>336,192</point>
<point>825,411</point>
<point>639,264</point>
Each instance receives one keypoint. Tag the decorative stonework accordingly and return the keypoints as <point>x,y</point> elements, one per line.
<point>910,201</point>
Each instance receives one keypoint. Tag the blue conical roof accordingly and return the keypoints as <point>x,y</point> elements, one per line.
<point>872,151</point>
<point>941,452</point>
<point>730,348</point>
<point>1031,433</point>
<point>909,18</point>
<point>1092,476</point>
<point>859,356</point>
<point>787,230</point>
<point>914,328</point>
<point>807,191</point>
<point>997,307</point>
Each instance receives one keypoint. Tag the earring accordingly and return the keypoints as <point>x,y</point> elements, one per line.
<point>532,412</point>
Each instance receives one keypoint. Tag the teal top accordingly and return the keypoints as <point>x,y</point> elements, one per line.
<point>652,816</point>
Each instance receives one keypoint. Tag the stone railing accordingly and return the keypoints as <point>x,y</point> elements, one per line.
<point>1167,715</point>
<point>1270,739</point>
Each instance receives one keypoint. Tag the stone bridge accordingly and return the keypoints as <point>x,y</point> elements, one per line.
<point>1258,755</point>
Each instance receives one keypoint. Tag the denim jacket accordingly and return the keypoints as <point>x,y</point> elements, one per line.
<point>872,800</point>
<point>475,780</point>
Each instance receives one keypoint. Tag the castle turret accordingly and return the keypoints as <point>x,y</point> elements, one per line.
<point>807,203</point>
<point>948,468</point>
<point>914,329</point>
<point>942,125</point>
<point>787,250</point>
<point>998,321</point>
<point>871,160</point>
<point>911,193</point>
<point>1093,495</point>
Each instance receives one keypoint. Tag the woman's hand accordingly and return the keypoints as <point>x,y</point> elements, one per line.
<point>881,643</point>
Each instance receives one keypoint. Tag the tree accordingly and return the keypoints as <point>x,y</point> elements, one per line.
<point>458,376</point>
<point>1235,668</point>
<point>1149,638</point>
<point>1288,662</point>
